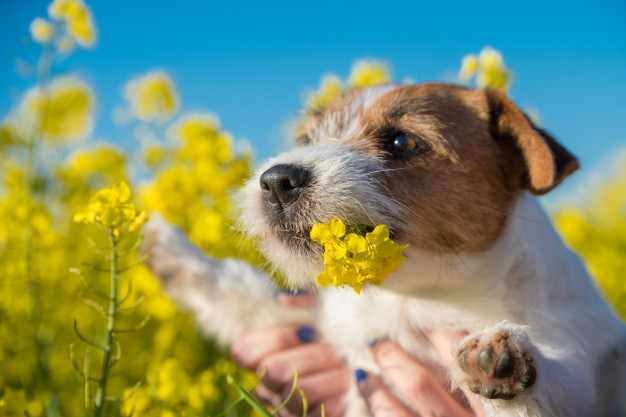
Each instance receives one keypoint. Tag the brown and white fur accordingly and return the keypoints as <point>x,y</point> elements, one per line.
<point>458,187</point>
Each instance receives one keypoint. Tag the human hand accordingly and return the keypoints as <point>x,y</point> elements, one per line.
<point>420,390</point>
<point>280,350</point>
<point>324,378</point>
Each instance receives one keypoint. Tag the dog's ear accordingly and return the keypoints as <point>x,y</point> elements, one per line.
<point>534,159</point>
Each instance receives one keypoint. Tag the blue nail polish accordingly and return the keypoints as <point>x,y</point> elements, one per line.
<point>360,375</point>
<point>306,334</point>
<point>293,292</point>
<point>375,342</point>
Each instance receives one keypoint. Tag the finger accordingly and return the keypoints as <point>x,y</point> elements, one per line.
<point>418,387</point>
<point>333,407</point>
<point>318,387</point>
<point>379,400</point>
<point>248,350</point>
<point>446,343</point>
<point>281,366</point>
<point>300,298</point>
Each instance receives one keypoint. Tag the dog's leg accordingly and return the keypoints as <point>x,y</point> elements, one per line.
<point>228,297</point>
<point>515,378</point>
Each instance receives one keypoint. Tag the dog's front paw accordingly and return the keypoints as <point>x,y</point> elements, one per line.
<point>496,364</point>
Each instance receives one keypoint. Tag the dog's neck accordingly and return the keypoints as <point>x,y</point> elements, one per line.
<point>528,265</point>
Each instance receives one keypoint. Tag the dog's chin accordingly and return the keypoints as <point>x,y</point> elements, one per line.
<point>294,254</point>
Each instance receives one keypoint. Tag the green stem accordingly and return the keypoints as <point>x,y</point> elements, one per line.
<point>247,397</point>
<point>100,395</point>
<point>42,344</point>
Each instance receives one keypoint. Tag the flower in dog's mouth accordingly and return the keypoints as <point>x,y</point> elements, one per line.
<point>355,257</point>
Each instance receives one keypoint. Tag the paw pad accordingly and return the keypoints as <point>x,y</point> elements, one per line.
<point>496,367</point>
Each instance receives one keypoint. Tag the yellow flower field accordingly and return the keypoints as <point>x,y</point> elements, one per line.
<point>68,219</point>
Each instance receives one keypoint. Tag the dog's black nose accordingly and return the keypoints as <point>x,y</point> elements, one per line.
<point>283,183</point>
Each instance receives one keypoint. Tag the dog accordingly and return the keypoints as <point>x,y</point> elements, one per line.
<point>453,172</point>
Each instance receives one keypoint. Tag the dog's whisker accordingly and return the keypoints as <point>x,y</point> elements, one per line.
<point>385,170</point>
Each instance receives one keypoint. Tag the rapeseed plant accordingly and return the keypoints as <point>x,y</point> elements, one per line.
<point>364,73</point>
<point>112,209</point>
<point>489,69</point>
<point>152,97</point>
<point>61,110</point>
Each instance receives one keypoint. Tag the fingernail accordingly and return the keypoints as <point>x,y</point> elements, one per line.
<point>306,334</point>
<point>360,375</point>
<point>294,292</point>
<point>375,342</point>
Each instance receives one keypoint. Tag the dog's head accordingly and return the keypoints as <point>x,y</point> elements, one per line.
<point>438,164</point>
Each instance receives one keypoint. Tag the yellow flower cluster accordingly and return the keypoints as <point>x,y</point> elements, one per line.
<point>152,97</point>
<point>73,24</point>
<point>62,110</point>
<point>489,69</point>
<point>366,73</point>
<point>329,90</point>
<point>77,18</point>
<point>194,188</point>
<point>171,384</point>
<point>597,231</point>
<point>39,242</point>
<point>101,161</point>
<point>363,74</point>
<point>354,260</point>
<point>111,207</point>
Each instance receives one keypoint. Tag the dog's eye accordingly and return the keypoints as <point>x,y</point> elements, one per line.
<point>403,144</point>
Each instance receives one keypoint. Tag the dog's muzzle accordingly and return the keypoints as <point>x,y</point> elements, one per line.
<point>282,185</point>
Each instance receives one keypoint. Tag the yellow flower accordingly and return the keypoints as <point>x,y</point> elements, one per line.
<point>101,160</point>
<point>137,401</point>
<point>202,139</point>
<point>469,66</point>
<point>354,260</point>
<point>329,236</point>
<point>330,88</point>
<point>152,97</point>
<point>60,111</point>
<point>363,74</point>
<point>78,20</point>
<point>41,30</point>
<point>367,73</point>
<point>489,69</point>
<point>112,208</point>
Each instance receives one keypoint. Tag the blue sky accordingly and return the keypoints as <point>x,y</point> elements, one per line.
<point>250,62</point>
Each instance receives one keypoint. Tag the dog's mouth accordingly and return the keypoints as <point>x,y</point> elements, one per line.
<point>299,239</point>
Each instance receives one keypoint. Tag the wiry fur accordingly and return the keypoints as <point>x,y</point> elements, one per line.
<point>516,277</point>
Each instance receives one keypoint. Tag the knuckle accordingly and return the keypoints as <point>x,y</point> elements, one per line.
<point>386,352</point>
